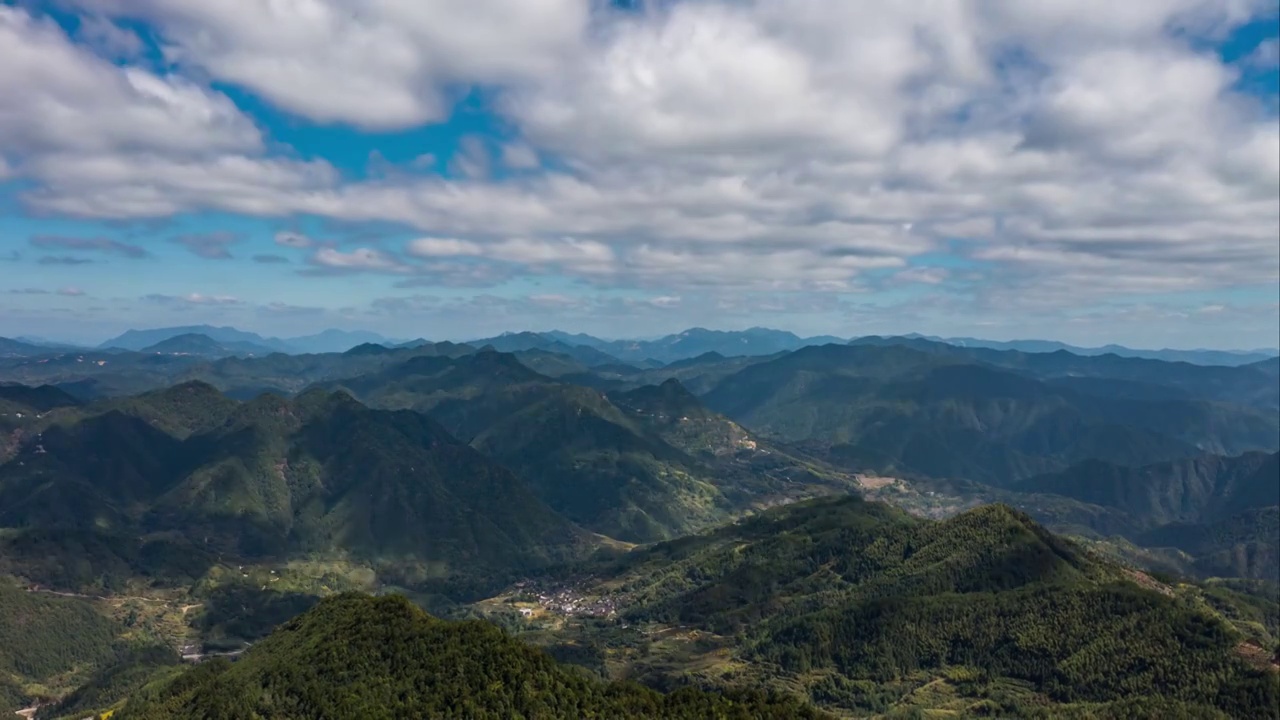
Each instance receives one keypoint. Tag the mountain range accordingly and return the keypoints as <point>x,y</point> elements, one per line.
<point>594,351</point>
<point>695,522</point>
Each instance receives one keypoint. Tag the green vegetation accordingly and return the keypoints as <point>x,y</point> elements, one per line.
<point>860,606</point>
<point>895,409</point>
<point>359,657</point>
<point>633,467</point>
<point>107,497</point>
<point>46,640</point>
<point>109,688</point>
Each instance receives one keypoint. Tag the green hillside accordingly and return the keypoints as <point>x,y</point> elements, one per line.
<point>897,409</point>
<point>1205,488</point>
<point>360,657</point>
<point>606,462</point>
<point>866,609</point>
<point>45,641</point>
<point>320,474</point>
<point>1219,515</point>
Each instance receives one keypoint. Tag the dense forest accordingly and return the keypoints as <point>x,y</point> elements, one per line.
<point>360,657</point>
<point>853,598</point>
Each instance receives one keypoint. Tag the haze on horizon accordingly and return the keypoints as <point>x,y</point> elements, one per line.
<point>1093,173</point>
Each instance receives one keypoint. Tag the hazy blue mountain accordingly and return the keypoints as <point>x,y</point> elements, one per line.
<point>336,341</point>
<point>47,343</point>
<point>140,339</point>
<point>522,341</point>
<point>203,345</point>
<point>10,347</point>
<point>1254,384</point>
<point>1201,356</point>
<point>699,341</point>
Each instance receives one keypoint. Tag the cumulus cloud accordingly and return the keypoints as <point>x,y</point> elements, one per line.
<point>109,39</point>
<point>210,246</point>
<point>380,65</point>
<point>1070,152</point>
<point>330,260</point>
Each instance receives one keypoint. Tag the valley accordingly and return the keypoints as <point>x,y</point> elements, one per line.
<point>834,524</point>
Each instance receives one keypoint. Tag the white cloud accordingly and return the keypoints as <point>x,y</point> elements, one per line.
<point>519,156</point>
<point>57,96</point>
<point>443,247</point>
<point>358,260</point>
<point>373,64</point>
<point>779,145</point>
<point>108,38</point>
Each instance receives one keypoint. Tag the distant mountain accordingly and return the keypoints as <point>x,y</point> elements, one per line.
<point>11,348</point>
<point>897,409</point>
<point>859,605</point>
<point>335,341</point>
<point>357,656</point>
<point>141,339</point>
<point>1250,385</point>
<point>1270,366</point>
<point>515,342</point>
<point>698,341</point>
<point>1197,357</point>
<point>203,345</point>
<point>47,343</point>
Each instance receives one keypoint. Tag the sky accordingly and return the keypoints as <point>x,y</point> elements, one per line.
<point>1090,171</point>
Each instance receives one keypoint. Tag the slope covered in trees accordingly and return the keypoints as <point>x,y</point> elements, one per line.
<point>639,466</point>
<point>360,657</point>
<point>863,605</point>
<point>317,474</point>
<point>43,639</point>
<point>905,410</point>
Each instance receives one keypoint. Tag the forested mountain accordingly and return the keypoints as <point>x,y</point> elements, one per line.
<point>895,408</point>
<point>1246,385</point>
<point>608,466</point>
<point>317,474</point>
<point>515,342</point>
<point>43,637</point>
<point>251,487</point>
<point>1200,489</point>
<point>357,656</point>
<point>863,605</point>
<point>98,374</point>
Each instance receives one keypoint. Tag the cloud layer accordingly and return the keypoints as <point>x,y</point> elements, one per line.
<point>1052,155</point>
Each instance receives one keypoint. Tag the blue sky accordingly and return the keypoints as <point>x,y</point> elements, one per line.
<point>1092,172</point>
